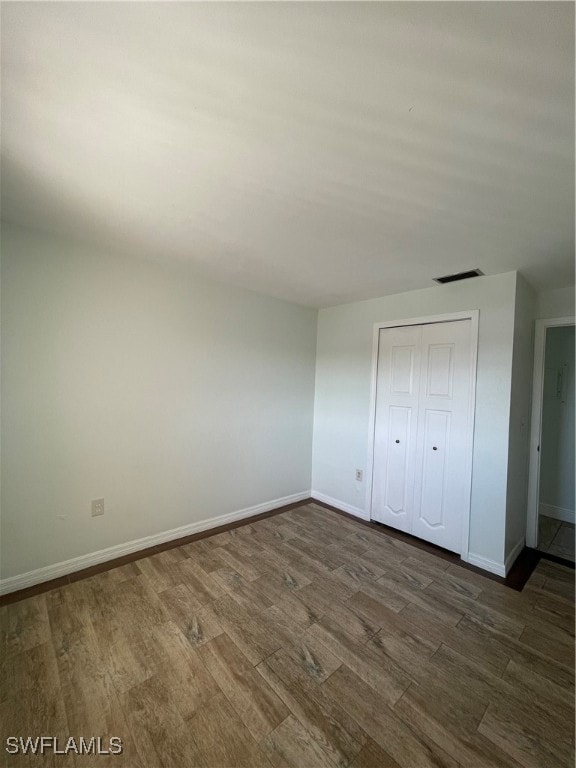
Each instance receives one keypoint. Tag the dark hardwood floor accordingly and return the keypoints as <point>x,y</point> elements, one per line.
<point>304,639</point>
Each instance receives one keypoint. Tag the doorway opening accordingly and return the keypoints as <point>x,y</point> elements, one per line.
<point>551,512</point>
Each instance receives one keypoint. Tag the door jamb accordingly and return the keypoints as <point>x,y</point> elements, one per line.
<point>474,316</point>
<point>541,328</point>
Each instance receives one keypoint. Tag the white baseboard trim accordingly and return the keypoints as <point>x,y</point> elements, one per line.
<point>29,579</point>
<point>513,554</point>
<point>557,513</point>
<point>486,564</point>
<point>356,511</point>
<point>493,566</point>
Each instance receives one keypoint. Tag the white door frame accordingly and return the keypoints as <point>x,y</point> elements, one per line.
<point>541,328</point>
<point>473,315</point>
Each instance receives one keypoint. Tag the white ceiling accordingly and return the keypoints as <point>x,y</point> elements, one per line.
<point>319,152</point>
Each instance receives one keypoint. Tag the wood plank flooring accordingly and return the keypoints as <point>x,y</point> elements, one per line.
<point>301,640</point>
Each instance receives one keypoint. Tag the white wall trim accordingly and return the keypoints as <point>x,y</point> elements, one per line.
<point>500,569</point>
<point>513,554</point>
<point>474,316</point>
<point>23,580</point>
<point>356,511</point>
<point>487,565</point>
<point>557,513</point>
<point>536,424</point>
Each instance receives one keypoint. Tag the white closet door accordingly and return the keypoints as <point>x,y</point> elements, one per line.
<point>396,426</point>
<point>442,445</point>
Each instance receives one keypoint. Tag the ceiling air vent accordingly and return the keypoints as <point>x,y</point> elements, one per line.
<point>458,276</point>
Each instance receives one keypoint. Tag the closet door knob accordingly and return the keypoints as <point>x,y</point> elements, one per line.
<point>434,448</point>
<point>397,441</point>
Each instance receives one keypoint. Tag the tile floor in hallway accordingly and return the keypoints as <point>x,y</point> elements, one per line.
<point>556,537</point>
<point>300,641</point>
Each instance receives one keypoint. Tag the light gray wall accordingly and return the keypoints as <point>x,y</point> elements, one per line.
<point>520,406</point>
<point>557,448</point>
<point>342,399</point>
<point>555,303</point>
<point>174,398</point>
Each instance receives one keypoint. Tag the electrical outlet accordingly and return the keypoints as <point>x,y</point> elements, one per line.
<point>97,507</point>
<point>359,475</point>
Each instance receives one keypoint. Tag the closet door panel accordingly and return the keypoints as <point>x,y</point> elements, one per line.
<point>395,488</point>
<point>437,436</point>
<point>395,430</point>
<point>442,444</point>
